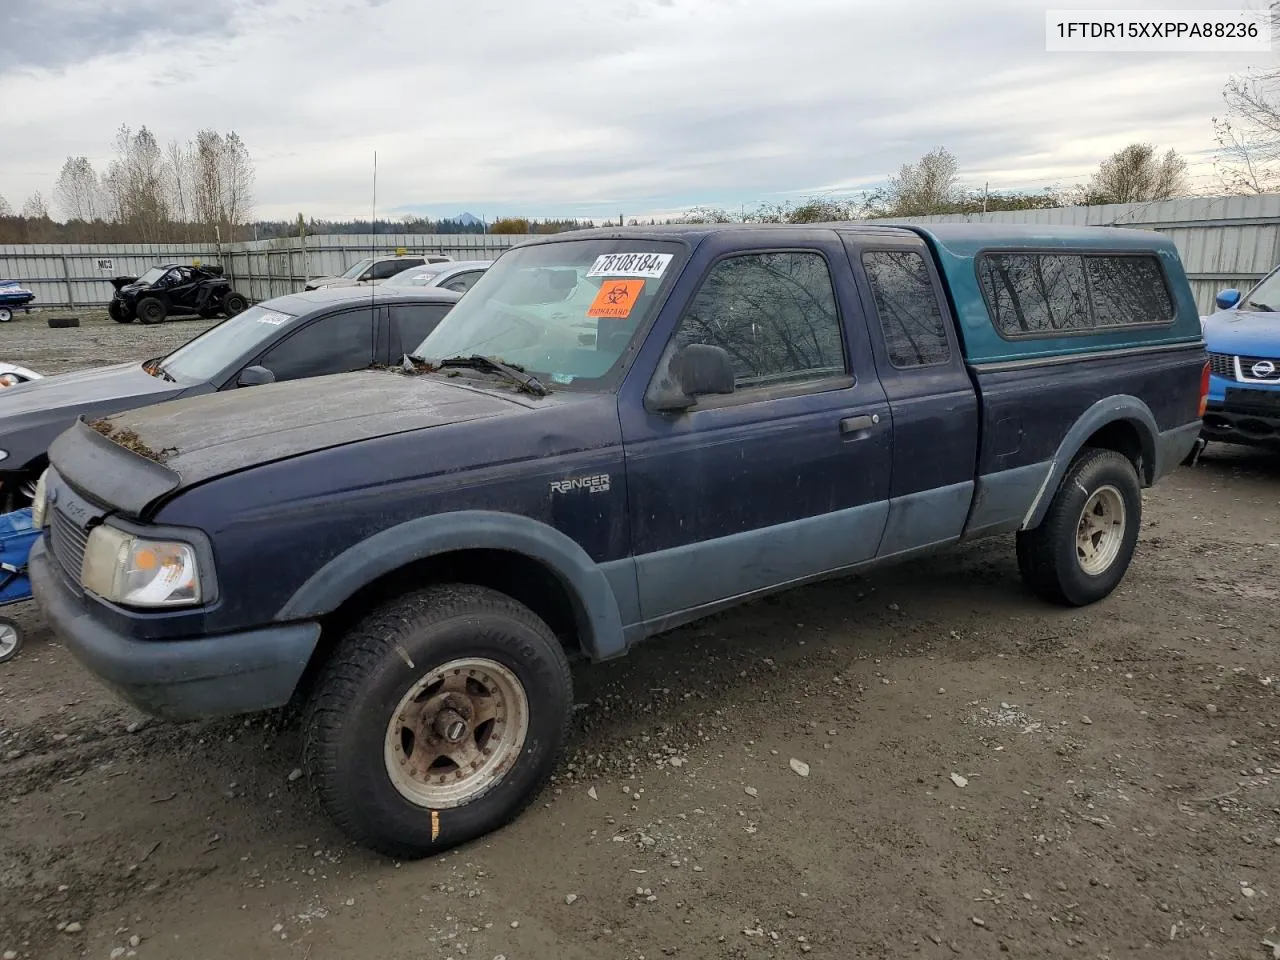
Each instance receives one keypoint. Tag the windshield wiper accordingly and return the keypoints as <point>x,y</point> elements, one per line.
<point>1261,306</point>
<point>514,374</point>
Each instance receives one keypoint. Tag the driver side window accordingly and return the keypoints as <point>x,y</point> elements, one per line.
<point>338,343</point>
<point>774,314</point>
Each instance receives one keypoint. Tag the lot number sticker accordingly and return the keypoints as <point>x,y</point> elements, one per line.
<point>651,265</point>
<point>275,319</point>
<point>615,299</point>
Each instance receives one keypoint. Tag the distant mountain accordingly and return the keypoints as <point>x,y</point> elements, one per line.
<point>467,219</point>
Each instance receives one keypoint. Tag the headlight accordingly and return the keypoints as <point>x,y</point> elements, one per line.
<point>129,570</point>
<point>39,501</point>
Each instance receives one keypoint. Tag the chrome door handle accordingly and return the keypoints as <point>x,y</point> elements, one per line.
<point>854,424</point>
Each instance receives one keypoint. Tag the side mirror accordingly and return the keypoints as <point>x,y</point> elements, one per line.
<point>255,376</point>
<point>1227,298</point>
<point>695,370</point>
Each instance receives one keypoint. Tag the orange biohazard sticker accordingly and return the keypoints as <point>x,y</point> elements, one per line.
<point>616,298</point>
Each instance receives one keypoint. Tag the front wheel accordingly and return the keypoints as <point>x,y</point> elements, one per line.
<point>438,718</point>
<point>5,314</point>
<point>234,304</point>
<point>151,311</point>
<point>1082,549</point>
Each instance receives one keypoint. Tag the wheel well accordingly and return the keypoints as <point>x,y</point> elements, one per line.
<point>11,497</point>
<point>523,579</point>
<point>1124,438</point>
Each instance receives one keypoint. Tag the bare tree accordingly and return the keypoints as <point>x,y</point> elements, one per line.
<point>706,215</point>
<point>928,186</point>
<point>77,190</point>
<point>223,181</point>
<point>36,208</point>
<point>1136,174</point>
<point>1248,136</point>
<point>5,209</point>
<point>178,177</point>
<point>135,184</point>
<point>239,181</point>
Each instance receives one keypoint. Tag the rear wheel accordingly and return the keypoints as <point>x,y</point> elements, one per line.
<point>1082,549</point>
<point>438,719</point>
<point>5,314</point>
<point>151,311</point>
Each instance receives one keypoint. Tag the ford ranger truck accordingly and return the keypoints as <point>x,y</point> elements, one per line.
<point>615,432</point>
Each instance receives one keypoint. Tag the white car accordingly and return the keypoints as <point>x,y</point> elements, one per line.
<point>374,270</point>
<point>11,375</point>
<point>457,275</point>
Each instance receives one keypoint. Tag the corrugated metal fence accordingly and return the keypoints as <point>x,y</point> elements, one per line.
<point>79,275</point>
<point>1223,241</point>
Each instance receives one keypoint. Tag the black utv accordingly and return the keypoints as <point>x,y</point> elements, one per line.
<point>174,289</point>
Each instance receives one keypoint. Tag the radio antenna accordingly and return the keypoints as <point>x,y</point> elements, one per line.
<point>373,245</point>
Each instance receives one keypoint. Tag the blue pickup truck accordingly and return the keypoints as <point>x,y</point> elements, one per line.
<point>1243,339</point>
<point>613,433</point>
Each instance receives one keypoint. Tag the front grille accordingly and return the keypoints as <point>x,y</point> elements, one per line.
<point>1248,363</point>
<point>67,541</point>
<point>1223,365</point>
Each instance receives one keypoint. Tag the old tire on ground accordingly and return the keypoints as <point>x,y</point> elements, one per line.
<point>1082,549</point>
<point>62,323</point>
<point>234,304</point>
<point>10,639</point>
<point>150,310</point>
<point>5,314</point>
<point>116,310</point>
<point>437,719</point>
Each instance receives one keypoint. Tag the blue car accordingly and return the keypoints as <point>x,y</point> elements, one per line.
<point>1243,340</point>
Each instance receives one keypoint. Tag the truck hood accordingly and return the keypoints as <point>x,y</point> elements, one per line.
<point>1248,333</point>
<point>32,414</point>
<point>138,457</point>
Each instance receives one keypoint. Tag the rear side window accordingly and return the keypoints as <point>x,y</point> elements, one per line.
<point>912,321</point>
<point>1052,294</point>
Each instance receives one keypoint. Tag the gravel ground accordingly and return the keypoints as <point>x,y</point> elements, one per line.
<point>983,774</point>
<point>29,340</point>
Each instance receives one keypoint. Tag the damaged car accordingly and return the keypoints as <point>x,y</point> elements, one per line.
<point>286,338</point>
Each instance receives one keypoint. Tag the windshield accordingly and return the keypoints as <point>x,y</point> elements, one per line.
<point>1265,296</point>
<point>417,276</point>
<point>217,348</point>
<point>563,311</point>
<point>357,268</point>
<point>152,275</point>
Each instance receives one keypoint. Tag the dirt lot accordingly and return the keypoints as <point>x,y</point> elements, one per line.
<point>986,774</point>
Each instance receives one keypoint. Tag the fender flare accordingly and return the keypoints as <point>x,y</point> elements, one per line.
<point>1120,408</point>
<point>595,605</point>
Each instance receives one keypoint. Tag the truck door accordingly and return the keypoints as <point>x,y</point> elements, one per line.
<point>786,477</point>
<point>921,366</point>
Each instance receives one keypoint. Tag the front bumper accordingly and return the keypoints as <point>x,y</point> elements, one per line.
<point>1256,426</point>
<point>188,679</point>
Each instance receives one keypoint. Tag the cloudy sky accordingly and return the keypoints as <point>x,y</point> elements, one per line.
<point>589,108</point>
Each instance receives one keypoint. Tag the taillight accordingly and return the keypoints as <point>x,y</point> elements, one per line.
<point>1204,388</point>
